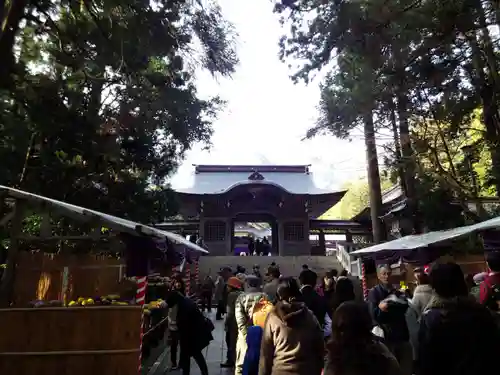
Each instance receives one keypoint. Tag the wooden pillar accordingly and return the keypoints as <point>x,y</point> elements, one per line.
<point>322,242</point>
<point>8,277</point>
<point>348,236</point>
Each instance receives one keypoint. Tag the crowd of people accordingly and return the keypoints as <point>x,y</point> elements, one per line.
<point>278,325</point>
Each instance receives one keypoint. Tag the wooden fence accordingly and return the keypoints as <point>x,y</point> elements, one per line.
<point>77,341</point>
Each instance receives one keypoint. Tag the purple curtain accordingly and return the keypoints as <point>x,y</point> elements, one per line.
<point>418,257</point>
<point>491,240</point>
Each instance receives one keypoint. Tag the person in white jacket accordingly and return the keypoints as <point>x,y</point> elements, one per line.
<point>421,298</point>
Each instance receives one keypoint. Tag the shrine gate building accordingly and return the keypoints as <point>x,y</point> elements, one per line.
<point>283,196</point>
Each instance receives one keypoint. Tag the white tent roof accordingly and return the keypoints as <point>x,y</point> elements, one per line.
<point>116,223</point>
<point>426,239</point>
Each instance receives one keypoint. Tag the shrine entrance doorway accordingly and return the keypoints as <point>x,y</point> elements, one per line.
<point>254,233</point>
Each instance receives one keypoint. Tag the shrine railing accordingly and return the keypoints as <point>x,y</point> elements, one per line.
<point>345,259</point>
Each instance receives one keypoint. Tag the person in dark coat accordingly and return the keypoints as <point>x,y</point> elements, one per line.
<point>457,335</point>
<point>310,297</point>
<point>344,291</point>
<point>388,309</point>
<point>353,349</point>
<point>195,332</point>
<point>327,289</point>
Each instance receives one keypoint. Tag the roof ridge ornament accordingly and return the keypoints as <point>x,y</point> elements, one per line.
<point>256,176</point>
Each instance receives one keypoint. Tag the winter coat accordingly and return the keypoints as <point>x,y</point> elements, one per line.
<point>230,321</point>
<point>457,336</point>
<point>392,321</point>
<point>421,297</point>
<point>220,286</point>
<point>243,311</point>
<point>377,349</point>
<point>195,332</point>
<point>271,289</point>
<point>292,343</point>
<point>315,303</point>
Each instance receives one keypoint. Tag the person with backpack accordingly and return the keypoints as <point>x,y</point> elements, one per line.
<point>254,336</point>
<point>244,308</point>
<point>489,289</point>
<point>195,331</point>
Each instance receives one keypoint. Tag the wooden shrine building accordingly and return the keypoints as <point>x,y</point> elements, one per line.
<point>283,196</point>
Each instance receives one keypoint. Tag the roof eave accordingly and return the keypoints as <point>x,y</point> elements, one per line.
<point>188,193</point>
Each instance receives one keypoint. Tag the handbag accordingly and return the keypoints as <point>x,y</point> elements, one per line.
<point>208,324</point>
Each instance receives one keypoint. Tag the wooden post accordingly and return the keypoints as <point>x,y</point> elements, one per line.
<point>64,285</point>
<point>8,277</point>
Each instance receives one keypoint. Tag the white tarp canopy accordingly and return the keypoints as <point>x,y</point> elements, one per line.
<point>113,222</point>
<point>422,240</point>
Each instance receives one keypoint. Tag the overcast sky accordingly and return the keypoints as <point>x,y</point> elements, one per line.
<point>267,115</point>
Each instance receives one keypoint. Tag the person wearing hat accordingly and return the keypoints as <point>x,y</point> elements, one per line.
<point>234,288</point>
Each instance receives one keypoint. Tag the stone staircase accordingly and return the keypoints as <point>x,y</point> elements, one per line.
<point>289,265</point>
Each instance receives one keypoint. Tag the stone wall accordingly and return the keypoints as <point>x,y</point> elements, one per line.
<point>289,265</point>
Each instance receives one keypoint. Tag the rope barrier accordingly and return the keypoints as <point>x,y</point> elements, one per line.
<point>363,280</point>
<point>140,299</point>
<point>187,278</point>
<point>155,327</point>
<point>197,272</point>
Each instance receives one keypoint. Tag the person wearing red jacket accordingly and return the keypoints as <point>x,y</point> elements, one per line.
<point>493,279</point>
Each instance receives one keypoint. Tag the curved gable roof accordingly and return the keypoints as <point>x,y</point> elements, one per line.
<point>221,179</point>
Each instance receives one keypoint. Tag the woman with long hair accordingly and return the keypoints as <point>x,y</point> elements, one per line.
<point>344,291</point>
<point>327,288</point>
<point>179,285</point>
<point>352,349</point>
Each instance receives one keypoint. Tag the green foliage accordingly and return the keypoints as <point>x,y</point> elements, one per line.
<point>427,70</point>
<point>354,201</point>
<point>98,104</point>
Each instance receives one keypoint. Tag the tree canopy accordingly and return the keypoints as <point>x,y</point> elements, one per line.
<point>355,200</point>
<point>98,99</point>
<point>424,71</point>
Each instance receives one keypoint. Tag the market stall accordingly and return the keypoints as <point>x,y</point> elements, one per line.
<point>89,334</point>
<point>425,248</point>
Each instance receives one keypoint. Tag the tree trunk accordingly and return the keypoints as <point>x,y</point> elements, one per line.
<point>397,146</point>
<point>10,19</point>
<point>490,108</point>
<point>378,229</point>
